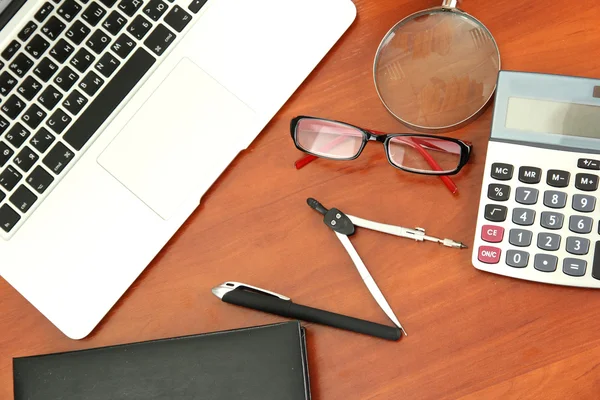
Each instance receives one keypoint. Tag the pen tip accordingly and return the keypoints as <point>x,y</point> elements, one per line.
<point>463,246</point>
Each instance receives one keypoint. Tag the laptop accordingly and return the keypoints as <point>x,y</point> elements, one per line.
<point>116,116</point>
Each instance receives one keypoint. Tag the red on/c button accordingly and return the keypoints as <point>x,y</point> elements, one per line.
<point>492,233</point>
<point>489,254</point>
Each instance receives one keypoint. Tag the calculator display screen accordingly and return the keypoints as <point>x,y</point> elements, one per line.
<point>544,116</point>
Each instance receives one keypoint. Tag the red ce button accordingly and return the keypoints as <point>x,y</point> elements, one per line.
<point>492,233</point>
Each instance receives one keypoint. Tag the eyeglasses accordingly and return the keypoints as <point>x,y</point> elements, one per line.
<point>416,153</point>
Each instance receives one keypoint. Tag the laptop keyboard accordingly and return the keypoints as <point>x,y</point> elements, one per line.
<point>61,77</point>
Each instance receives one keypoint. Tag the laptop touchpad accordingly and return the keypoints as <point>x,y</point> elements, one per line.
<point>180,140</point>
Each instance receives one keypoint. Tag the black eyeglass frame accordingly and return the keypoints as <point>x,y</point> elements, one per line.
<point>465,148</point>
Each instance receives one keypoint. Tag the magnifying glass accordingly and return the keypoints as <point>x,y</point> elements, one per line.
<point>436,69</point>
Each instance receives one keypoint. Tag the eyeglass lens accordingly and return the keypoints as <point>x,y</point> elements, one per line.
<point>340,141</point>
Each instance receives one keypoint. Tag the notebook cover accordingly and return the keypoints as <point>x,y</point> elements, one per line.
<point>263,363</point>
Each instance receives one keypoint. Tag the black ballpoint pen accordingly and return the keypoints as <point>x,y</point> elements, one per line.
<point>264,300</point>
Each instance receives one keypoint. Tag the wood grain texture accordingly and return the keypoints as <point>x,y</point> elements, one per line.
<point>472,335</point>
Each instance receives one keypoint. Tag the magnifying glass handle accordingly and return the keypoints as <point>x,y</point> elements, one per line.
<point>450,3</point>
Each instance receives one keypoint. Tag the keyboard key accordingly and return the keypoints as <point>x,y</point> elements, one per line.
<point>61,51</point>
<point>552,220</point>
<point>98,41</point>
<point>584,203</point>
<point>7,83</point>
<point>74,102</point>
<point>109,98</point>
<point>5,153</point>
<point>50,97</point>
<point>554,199</point>
<point>492,233</point>
<point>58,158</point>
<point>574,267</point>
<point>114,23</point>
<point>2,196</point>
<point>68,10</point>
<point>489,254</point>
<point>20,65</point>
<point>500,171</point>
<point>108,3</point>
<point>93,14</point>
<point>11,50</point>
<point>196,5</point>
<point>43,12</point>
<point>139,27</point>
<point>526,195</point>
<point>82,60</point>
<point>9,178</point>
<point>25,159</point>
<point>530,174</point>
<point>578,246</point>
<point>495,213</point>
<point>498,192</point>
<point>160,39</point>
<point>42,140</point>
<point>523,216</point>
<point>517,258</point>
<point>587,163</point>
<point>91,83</point>
<point>548,241</point>
<point>77,32</point>
<point>53,28</point>
<point>45,69</point>
<point>13,106</point>
<point>545,262</point>
<point>586,182</point>
<point>34,116</point>
<point>66,78</point>
<point>58,121</point>
<point>177,18</point>
<point>39,179</point>
<point>29,88</point>
<point>557,178</point>
<point>3,125</point>
<point>27,31</point>
<point>17,135</point>
<point>520,237</point>
<point>107,64</point>
<point>37,46</point>
<point>129,7</point>
<point>23,199</point>
<point>155,9</point>
<point>8,218</point>
<point>579,224</point>
<point>123,46</point>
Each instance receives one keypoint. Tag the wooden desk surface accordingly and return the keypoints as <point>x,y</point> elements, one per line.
<point>472,335</point>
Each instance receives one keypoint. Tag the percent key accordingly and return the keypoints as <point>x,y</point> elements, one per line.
<point>498,192</point>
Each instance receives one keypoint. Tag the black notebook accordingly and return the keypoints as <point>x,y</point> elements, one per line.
<point>263,363</point>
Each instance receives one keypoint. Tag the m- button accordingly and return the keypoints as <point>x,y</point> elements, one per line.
<point>557,178</point>
<point>489,254</point>
<point>492,233</point>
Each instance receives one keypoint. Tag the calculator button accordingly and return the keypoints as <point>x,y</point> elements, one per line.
<point>495,213</point>
<point>554,199</point>
<point>498,192</point>
<point>523,216</point>
<point>587,163</point>
<point>492,233</point>
<point>517,258</point>
<point>596,264</point>
<point>579,224</point>
<point>557,178</point>
<point>525,195</point>
<point>520,237</point>
<point>530,174</point>
<point>489,254</point>
<point>545,262</point>
<point>586,182</point>
<point>548,241</point>
<point>578,246</point>
<point>502,172</point>
<point>584,203</point>
<point>551,220</point>
<point>574,267</point>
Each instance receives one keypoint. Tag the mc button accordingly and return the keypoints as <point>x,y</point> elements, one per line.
<point>502,172</point>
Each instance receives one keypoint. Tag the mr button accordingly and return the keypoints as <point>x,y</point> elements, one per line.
<point>586,182</point>
<point>530,174</point>
<point>489,254</point>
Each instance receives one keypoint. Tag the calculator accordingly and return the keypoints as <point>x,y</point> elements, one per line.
<point>539,210</point>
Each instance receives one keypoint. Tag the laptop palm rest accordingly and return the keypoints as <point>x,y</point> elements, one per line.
<point>199,121</point>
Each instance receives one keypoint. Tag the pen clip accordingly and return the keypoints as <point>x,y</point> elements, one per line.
<point>227,287</point>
